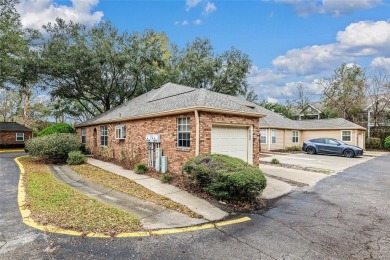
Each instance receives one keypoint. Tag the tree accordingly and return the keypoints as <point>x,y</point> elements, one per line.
<point>12,43</point>
<point>344,92</point>
<point>378,94</point>
<point>9,101</point>
<point>99,68</point>
<point>284,110</point>
<point>197,66</point>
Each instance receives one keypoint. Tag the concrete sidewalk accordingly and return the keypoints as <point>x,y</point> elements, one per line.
<point>198,205</point>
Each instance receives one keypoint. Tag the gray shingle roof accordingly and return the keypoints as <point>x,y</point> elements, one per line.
<point>175,98</point>
<point>12,126</point>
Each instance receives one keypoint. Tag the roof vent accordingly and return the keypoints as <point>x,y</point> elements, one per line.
<point>250,106</point>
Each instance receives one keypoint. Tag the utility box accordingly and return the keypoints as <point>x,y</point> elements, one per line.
<point>158,159</point>
<point>164,164</point>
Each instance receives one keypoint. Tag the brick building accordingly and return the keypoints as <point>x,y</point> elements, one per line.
<point>13,135</point>
<point>184,121</point>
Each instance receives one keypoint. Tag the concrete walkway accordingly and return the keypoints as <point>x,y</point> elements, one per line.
<point>198,205</point>
<point>275,188</point>
<point>152,216</point>
<point>304,177</point>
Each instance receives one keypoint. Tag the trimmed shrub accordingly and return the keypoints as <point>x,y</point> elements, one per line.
<point>75,158</point>
<point>140,168</point>
<point>386,144</point>
<point>293,148</point>
<point>55,147</point>
<point>166,178</point>
<point>373,143</point>
<point>57,128</point>
<point>225,177</point>
<point>275,161</point>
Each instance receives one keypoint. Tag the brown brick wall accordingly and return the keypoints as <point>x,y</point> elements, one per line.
<point>135,147</point>
<point>8,139</point>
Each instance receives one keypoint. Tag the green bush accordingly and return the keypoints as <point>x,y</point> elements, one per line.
<point>275,161</point>
<point>373,143</point>
<point>225,177</point>
<point>166,178</point>
<point>53,147</point>
<point>293,148</point>
<point>75,158</point>
<point>140,168</point>
<point>57,128</point>
<point>386,144</point>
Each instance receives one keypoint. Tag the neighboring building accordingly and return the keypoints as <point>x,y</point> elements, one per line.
<point>278,132</point>
<point>376,112</point>
<point>13,135</point>
<point>188,121</point>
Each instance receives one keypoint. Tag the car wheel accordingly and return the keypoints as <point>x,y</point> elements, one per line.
<point>311,150</point>
<point>349,153</point>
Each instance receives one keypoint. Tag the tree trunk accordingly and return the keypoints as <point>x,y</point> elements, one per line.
<point>25,109</point>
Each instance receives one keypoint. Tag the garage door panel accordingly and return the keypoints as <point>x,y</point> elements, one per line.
<point>232,141</point>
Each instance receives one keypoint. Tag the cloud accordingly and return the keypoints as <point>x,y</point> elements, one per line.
<point>209,8</point>
<point>35,13</point>
<point>192,3</point>
<point>198,22</point>
<point>330,7</point>
<point>272,100</point>
<point>258,76</point>
<point>381,63</point>
<point>361,39</point>
<point>185,22</point>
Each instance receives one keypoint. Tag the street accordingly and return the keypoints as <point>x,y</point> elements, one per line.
<point>345,216</point>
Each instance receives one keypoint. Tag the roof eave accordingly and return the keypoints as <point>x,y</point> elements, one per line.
<point>175,112</point>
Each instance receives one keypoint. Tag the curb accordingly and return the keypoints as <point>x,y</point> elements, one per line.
<point>12,151</point>
<point>30,222</point>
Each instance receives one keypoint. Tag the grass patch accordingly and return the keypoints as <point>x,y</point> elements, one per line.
<point>125,185</point>
<point>56,204</point>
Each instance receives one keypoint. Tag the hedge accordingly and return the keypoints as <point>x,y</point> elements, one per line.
<point>225,177</point>
<point>57,128</point>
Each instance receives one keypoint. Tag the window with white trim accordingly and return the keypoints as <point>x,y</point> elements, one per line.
<point>263,136</point>
<point>83,136</point>
<point>20,137</point>
<point>346,136</point>
<point>295,136</point>
<point>104,135</point>
<point>120,132</point>
<point>273,136</point>
<point>183,132</point>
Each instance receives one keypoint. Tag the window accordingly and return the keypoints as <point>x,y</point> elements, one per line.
<point>183,132</point>
<point>273,136</point>
<point>346,136</point>
<point>20,137</point>
<point>120,132</point>
<point>263,136</point>
<point>83,135</point>
<point>295,135</point>
<point>103,135</point>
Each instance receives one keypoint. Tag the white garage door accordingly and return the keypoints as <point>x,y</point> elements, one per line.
<point>232,141</point>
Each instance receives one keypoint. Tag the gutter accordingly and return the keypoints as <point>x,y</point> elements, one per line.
<point>197,133</point>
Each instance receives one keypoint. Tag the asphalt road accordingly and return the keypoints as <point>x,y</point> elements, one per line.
<point>346,216</point>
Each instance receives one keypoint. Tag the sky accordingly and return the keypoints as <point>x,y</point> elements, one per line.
<point>290,42</point>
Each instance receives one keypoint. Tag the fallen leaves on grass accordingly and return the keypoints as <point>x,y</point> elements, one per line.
<point>125,185</point>
<point>56,204</point>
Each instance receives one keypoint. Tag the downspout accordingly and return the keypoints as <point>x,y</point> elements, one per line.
<point>197,133</point>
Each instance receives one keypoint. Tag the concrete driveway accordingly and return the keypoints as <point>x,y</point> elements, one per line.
<point>330,163</point>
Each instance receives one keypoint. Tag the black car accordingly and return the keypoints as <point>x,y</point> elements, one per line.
<point>331,146</point>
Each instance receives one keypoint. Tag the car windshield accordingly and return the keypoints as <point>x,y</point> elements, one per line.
<point>340,142</point>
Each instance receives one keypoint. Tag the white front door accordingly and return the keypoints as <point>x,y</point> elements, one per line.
<point>360,140</point>
<point>232,141</point>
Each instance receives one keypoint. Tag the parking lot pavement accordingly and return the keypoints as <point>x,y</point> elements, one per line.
<point>330,163</point>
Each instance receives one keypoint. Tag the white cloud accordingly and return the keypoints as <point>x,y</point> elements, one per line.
<point>258,76</point>
<point>381,63</point>
<point>192,3</point>
<point>35,13</point>
<point>362,39</point>
<point>198,22</point>
<point>209,8</point>
<point>330,7</point>
<point>185,22</point>
<point>272,100</point>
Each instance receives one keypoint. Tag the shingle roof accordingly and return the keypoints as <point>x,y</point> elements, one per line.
<point>12,126</point>
<point>175,98</point>
<point>274,120</point>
